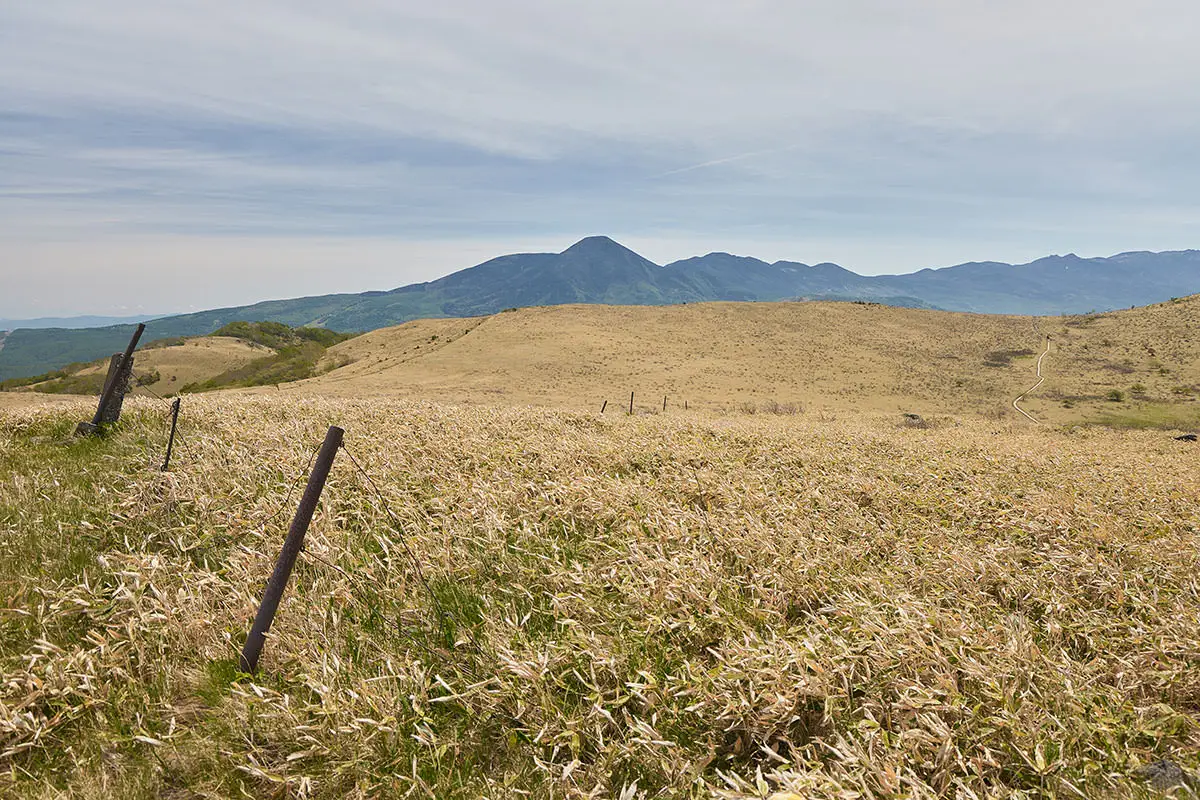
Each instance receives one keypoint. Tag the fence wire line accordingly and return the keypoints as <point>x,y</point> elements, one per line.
<point>151,391</point>
<point>295,482</point>
<point>166,421</point>
<point>399,528</point>
<point>170,406</point>
<point>396,525</point>
<point>363,589</point>
<point>169,402</point>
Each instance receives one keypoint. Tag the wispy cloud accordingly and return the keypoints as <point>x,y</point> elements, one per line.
<point>716,162</point>
<point>986,129</point>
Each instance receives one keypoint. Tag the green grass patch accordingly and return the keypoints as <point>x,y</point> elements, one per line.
<point>1152,416</point>
<point>277,336</point>
<point>18,383</point>
<point>1004,358</point>
<point>298,352</point>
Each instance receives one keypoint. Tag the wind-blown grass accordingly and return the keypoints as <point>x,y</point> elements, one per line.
<point>667,606</point>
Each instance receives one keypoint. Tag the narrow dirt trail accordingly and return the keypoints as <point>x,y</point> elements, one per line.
<point>1041,379</point>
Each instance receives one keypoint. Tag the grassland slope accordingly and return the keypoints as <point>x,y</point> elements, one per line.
<point>161,370</point>
<point>669,606</point>
<point>831,356</point>
<point>712,354</point>
<point>239,354</point>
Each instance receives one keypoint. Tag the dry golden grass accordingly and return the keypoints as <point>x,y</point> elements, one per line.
<point>196,360</point>
<point>820,356</point>
<point>1134,368</point>
<point>193,361</point>
<point>715,355</point>
<point>1150,355</point>
<point>658,606</point>
<point>24,400</point>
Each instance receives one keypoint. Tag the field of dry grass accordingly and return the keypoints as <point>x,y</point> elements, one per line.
<point>1136,368</point>
<point>1151,356</point>
<point>191,361</point>
<point>196,360</point>
<point>24,400</point>
<point>676,605</point>
<point>820,356</point>
<point>715,355</point>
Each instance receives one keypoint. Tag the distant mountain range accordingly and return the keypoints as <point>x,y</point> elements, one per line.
<point>599,270</point>
<point>69,322</point>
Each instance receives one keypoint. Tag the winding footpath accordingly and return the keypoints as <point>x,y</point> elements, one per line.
<point>1041,380</point>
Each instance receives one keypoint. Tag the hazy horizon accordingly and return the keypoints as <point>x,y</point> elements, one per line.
<point>148,315</point>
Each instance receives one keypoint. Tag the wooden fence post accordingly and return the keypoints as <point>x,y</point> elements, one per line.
<point>291,548</point>
<point>631,403</point>
<point>117,382</point>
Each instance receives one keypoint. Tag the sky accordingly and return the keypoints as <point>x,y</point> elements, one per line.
<point>169,156</point>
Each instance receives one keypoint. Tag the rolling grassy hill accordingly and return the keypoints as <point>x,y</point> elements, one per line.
<point>1137,367</point>
<point>166,370</point>
<point>776,356</point>
<point>239,354</point>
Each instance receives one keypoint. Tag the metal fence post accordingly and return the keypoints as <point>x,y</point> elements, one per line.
<point>291,548</point>
<point>171,440</point>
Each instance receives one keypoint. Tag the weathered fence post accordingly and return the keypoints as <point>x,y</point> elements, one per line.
<point>117,383</point>
<point>664,403</point>
<point>114,369</point>
<point>604,406</point>
<point>291,548</point>
<point>171,440</point>
<point>631,403</point>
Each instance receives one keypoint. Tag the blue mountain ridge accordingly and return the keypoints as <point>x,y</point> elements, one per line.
<point>599,270</point>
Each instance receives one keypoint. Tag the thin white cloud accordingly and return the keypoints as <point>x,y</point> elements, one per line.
<point>936,126</point>
<point>727,160</point>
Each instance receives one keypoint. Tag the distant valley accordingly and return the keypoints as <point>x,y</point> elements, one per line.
<point>599,270</point>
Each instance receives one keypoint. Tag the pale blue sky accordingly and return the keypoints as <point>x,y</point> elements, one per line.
<point>207,152</point>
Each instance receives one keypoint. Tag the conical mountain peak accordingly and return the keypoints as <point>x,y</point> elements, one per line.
<point>598,245</point>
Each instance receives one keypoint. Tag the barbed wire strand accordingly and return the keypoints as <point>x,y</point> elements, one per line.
<point>364,590</point>
<point>150,458</point>
<point>399,528</point>
<point>295,482</point>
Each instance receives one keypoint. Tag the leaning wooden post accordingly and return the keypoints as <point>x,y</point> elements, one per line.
<point>664,403</point>
<point>631,403</point>
<point>171,440</point>
<point>112,386</point>
<point>114,370</point>
<point>120,379</point>
<point>603,406</point>
<point>291,548</point>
